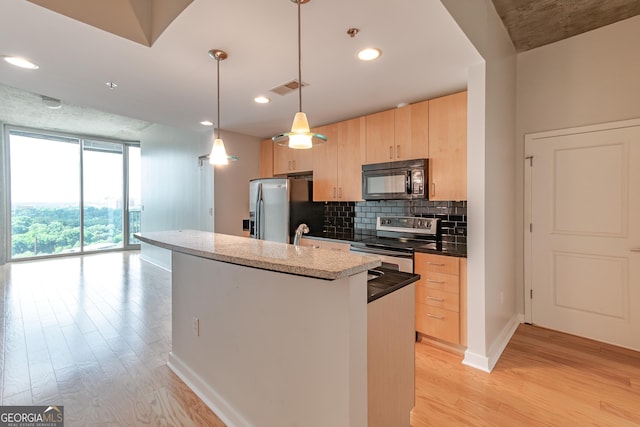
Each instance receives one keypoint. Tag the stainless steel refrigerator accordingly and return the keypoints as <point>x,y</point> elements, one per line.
<point>277,206</point>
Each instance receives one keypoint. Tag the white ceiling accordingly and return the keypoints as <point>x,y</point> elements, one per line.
<point>425,55</point>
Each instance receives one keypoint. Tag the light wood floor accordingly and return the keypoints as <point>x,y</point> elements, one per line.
<point>93,333</point>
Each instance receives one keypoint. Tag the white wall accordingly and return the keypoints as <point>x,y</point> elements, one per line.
<point>587,79</point>
<point>492,311</point>
<point>232,182</point>
<point>177,192</point>
<point>3,197</point>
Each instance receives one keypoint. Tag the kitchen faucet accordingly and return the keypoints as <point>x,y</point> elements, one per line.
<point>302,228</point>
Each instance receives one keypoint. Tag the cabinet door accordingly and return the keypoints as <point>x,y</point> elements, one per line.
<point>288,160</point>
<point>402,133</point>
<point>380,138</point>
<point>302,160</point>
<point>281,159</point>
<point>448,147</point>
<point>325,165</point>
<point>351,152</point>
<point>420,130</point>
<point>266,158</point>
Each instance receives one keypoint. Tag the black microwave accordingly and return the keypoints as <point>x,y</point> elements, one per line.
<point>396,180</point>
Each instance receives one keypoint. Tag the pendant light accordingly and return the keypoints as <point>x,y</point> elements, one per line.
<point>218,154</point>
<point>300,136</point>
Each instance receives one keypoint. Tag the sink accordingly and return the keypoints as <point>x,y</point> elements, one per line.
<point>374,274</point>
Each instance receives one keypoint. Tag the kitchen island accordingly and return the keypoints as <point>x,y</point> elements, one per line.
<point>269,334</point>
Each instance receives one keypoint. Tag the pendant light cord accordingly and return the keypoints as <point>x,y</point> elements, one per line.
<point>218,68</point>
<point>299,59</point>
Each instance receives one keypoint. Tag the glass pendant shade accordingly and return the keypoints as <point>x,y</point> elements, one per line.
<point>300,136</point>
<point>218,154</point>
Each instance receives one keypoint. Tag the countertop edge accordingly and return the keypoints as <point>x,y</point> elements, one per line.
<point>260,262</point>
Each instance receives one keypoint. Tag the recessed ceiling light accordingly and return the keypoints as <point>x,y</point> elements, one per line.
<point>20,62</point>
<point>261,100</point>
<point>369,54</point>
<point>111,85</point>
<point>206,123</point>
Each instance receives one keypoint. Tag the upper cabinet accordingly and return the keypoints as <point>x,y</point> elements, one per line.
<point>289,160</point>
<point>398,134</point>
<point>448,147</point>
<point>266,158</point>
<point>337,162</point>
<point>412,131</point>
<point>380,129</point>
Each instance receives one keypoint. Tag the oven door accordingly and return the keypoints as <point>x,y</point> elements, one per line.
<point>391,259</point>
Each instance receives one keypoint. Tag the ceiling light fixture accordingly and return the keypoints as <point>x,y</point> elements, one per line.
<point>206,123</point>
<point>111,85</point>
<point>300,136</point>
<point>369,54</point>
<point>218,154</point>
<point>20,62</point>
<point>261,100</point>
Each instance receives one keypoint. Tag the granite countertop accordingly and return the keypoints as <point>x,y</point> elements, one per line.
<point>281,257</point>
<point>442,248</point>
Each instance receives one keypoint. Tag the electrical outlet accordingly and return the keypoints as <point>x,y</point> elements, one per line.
<point>196,327</point>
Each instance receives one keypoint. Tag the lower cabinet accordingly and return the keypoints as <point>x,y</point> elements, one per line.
<point>438,297</point>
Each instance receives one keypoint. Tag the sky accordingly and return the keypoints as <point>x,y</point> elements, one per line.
<point>47,172</point>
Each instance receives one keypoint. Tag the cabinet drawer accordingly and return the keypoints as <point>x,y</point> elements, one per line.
<point>438,323</point>
<point>438,263</point>
<point>437,298</point>
<point>443,282</point>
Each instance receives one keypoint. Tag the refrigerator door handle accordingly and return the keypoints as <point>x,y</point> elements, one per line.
<point>259,202</point>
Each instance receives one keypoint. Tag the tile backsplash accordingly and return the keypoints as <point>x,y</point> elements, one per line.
<point>346,219</point>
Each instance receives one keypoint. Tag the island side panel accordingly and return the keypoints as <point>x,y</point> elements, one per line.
<point>273,349</point>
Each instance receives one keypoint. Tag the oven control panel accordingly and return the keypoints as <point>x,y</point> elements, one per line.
<point>408,224</point>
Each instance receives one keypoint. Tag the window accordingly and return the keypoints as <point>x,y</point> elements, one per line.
<point>67,194</point>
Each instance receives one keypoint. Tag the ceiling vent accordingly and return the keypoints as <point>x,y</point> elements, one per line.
<point>287,88</point>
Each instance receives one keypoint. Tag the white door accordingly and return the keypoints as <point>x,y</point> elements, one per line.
<point>582,251</point>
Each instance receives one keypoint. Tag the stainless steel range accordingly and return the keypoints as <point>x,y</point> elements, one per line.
<point>396,239</point>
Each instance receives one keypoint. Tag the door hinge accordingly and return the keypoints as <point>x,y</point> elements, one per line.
<point>530,227</point>
<point>530,158</point>
<point>530,293</point>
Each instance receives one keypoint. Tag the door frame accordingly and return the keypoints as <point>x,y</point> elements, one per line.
<point>529,160</point>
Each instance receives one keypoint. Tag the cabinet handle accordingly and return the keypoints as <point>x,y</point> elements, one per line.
<point>435,281</point>
<point>339,192</point>
<point>289,165</point>
<point>433,189</point>
<point>391,152</point>
<point>635,249</point>
<point>438,264</point>
<point>436,299</point>
<point>294,165</point>
<point>334,192</point>
<point>398,151</point>
<point>435,317</point>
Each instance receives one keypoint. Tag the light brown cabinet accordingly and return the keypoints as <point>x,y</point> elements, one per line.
<point>398,134</point>
<point>266,158</point>
<point>439,297</point>
<point>380,137</point>
<point>288,160</point>
<point>337,162</point>
<point>412,131</point>
<point>448,147</point>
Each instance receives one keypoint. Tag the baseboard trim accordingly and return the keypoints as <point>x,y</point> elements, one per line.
<point>487,362</point>
<point>206,393</point>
